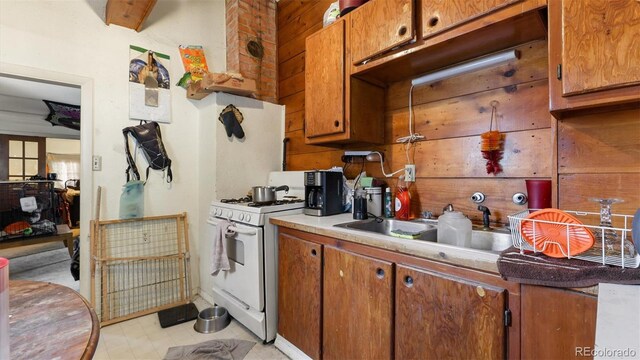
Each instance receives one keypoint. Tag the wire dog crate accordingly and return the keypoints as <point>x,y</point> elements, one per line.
<point>139,266</point>
<point>599,253</point>
<point>14,221</point>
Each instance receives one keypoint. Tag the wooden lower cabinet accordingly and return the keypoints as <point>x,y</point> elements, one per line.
<point>358,306</point>
<point>555,322</point>
<point>439,316</point>
<point>300,293</point>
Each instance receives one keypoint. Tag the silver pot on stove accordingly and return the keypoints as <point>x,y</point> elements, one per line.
<point>267,194</point>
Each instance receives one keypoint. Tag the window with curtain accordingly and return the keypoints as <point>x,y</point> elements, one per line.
<point>66,166</point>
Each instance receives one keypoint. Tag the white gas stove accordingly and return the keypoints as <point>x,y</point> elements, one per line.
<point>249,289</point>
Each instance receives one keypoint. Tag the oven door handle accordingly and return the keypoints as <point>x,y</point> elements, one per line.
<point>235,229</point>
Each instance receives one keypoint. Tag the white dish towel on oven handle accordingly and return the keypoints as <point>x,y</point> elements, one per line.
<point>219,258</point>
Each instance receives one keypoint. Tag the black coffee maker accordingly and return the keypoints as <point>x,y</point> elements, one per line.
<point>323,193</point>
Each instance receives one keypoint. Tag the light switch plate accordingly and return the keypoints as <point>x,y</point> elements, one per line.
<point>96,163</point>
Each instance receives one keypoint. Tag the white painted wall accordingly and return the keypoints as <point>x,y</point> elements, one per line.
<point>70,37</point>
<point>63,146</point>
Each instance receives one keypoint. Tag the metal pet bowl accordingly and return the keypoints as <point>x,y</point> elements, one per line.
<point>212,319</point>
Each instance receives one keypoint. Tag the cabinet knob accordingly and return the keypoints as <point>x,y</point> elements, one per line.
<point>314,252</point>
<point>433,21</point>
<point>380,273</point>
<point>336,123</point>
<point>408,281</point>
<point>402,30</point>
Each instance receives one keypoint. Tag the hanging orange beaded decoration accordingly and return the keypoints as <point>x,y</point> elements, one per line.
<point>493,144</point>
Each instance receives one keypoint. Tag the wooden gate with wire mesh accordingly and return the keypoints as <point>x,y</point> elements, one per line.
<point>139,266</point>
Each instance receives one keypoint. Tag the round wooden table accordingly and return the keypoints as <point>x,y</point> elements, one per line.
<point>50,321</point>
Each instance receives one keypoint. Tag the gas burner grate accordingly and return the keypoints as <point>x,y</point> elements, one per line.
<point>236,201</point>
<point>277,202</point>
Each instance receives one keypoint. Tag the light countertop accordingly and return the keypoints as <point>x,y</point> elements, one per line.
<point>470,258</point>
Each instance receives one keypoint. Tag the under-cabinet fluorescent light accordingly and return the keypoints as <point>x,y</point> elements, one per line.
<point>473,65</point>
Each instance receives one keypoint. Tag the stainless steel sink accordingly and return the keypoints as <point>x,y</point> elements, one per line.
<point>490,240</point>
<point>384,227</point>
<point>494,240</point>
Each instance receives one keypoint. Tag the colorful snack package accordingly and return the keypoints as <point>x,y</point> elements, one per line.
<point>194,61</point>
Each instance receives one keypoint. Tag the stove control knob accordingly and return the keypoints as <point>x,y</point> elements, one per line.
<point>248,217</point>
<point>241,216</point>
<point>230,214</point>
<point>218,212</point>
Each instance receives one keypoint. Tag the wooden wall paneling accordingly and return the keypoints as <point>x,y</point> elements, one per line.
<point>310,161</point>
<point>600,143</point>
<point>295,46</point>
<point>291,67</point>
<point>471,114</point>
<point>305,15</point>
<point>297,144</point>
<point>531,66</point>
<point>290,9</point>
<point>294,121</point>
<point>291,85</point>
<point>435,193</point>
<point>526,154</point>
<point>576,190</point>
<point>293,103</point>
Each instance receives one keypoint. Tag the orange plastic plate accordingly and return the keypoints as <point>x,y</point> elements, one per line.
<point>553,237</point>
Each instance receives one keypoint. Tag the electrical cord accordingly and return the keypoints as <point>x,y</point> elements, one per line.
<point>382,166</point>
<point>413,137</point>
<point>378,218</point>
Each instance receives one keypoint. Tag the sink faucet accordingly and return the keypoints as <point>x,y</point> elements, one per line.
<point>485,217</point>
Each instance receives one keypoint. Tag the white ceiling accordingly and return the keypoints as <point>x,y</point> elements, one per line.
<point>38,90</point>
<point>22,111</point>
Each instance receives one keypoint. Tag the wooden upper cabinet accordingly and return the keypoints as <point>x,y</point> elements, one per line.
<point>324,81</point>
<point>439,15</point>
<point>300,293</point>
<point>380,25</point>
<point>358,306</point>
<point>444,317</point>
<point>556,322</point>
<point>594,47</point>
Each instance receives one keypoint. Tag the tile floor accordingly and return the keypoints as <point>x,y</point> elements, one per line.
<point>143,338</point>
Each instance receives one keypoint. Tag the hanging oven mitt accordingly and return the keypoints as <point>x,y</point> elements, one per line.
<point>231,118</point>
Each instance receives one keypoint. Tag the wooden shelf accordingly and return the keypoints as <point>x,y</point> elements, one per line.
<point>201,89</point>
<point>130,14</point>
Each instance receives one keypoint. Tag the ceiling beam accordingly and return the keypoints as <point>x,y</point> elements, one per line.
<point>128,13</point>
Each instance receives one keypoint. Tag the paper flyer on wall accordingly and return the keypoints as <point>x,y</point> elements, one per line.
<point>149,85</point>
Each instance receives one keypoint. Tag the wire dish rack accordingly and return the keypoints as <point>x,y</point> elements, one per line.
<point>598,253</point>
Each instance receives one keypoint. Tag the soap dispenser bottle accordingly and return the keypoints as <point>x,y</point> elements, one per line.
<point>454,228</point>
<point>403,200</point>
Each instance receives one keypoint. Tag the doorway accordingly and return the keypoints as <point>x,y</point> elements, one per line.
<point>28,84</point>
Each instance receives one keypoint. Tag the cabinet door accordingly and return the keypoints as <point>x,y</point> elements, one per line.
<point>439,15</point>
<point>594,47</point>
<point>556,323</point>
<point>601,44</point>
<point>358,306</point>
<point>444,317</point>
<point>324,81</point>
<point>380,25</point>
<point>299,293</point>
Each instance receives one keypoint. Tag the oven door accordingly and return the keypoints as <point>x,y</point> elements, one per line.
<point>245,280</point>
